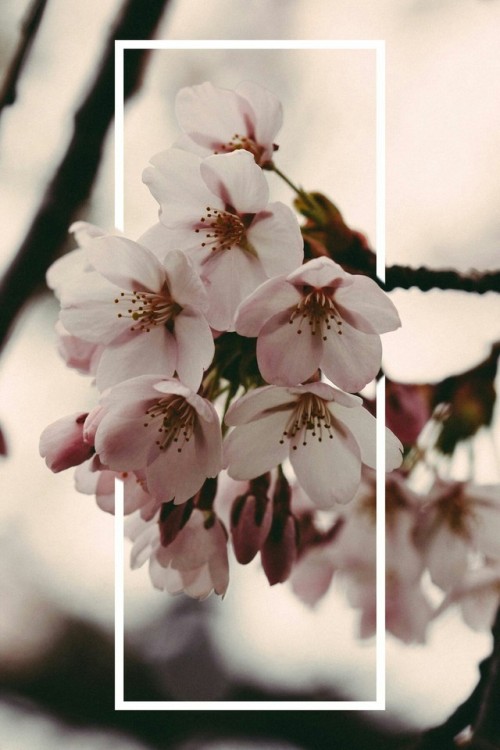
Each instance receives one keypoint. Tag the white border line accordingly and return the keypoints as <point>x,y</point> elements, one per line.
<point>379,703</point>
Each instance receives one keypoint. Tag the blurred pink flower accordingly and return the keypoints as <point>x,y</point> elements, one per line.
<point>149,315</point>
<point>63,445</point>
<point>217,120</point>
<point>195,562</point>
<point>158,426</point>
<point>459,519</point>
<point>217,211</point>
<point>101,483</point>
<point>318,316</point>
<point>407,410</point>
<point>326,433</point>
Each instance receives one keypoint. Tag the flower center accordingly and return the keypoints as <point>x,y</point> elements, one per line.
<point>239,142</point>
<point>310,418</point>
<point>318,308</point>
<point>149,309</point>
<point>221,229</point>
<point>176,420</point>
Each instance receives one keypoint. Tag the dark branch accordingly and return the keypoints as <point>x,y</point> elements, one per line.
<point>73,180</point>
<point>425,279</point>
<point>29,27</point>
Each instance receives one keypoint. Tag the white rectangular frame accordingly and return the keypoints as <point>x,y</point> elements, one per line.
<point>380,700</point>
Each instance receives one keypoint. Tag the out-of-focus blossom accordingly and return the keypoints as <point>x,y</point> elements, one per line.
<point>62,443</point>
<point>158,426</point>
<point>313,573</point>
<point>318,316</point>
<point>478,597</point>
<point>459,519</point>
<point>326,433</point>
<point>217,120</point>
<point>217,211</point>
<point>78,354</point>
<point>101,483</point>
<point>407,410</point>
<point>195,562</point>
<point>149,315</point>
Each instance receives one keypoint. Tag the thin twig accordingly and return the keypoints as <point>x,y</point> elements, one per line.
<point>73,179</point>
<point>29,28</point>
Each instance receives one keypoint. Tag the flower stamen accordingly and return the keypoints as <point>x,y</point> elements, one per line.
<point>222,229</point>
<point>310,418</point>
<point>318,308</point>
<point>149,309</point>
<point>176,418</point>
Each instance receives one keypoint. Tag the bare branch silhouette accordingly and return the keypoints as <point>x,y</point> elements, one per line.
<point>74,177</point>
<point>29,28</point>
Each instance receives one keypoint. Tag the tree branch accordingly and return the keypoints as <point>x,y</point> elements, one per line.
<point>73,180</point>
<point>29,28</point>
<point>425,279</point>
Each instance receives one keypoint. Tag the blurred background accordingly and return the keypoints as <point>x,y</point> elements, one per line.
<point>56,547</point>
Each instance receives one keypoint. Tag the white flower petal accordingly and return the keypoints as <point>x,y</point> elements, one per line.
<point>285,356</point>
<point>145,352</point>
<point>275,235</point>
<point>237,180</point>
<point>195,347</point>
<point>258,403</point>
<point>330,470</point>
<point>267,300</point>
<point>252,449</point>
<point>126,264</point>
<point>351,360</point>
<point>175,182</point>
<point>365,306</point>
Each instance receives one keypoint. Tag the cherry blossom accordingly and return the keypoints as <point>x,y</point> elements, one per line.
<point>195,562</point>
<point>63,445</point>
<point>318,316</point>
<point>459,519</point>
<point>217,211</point>
<point>78,354</point>
<point>217,120</point>
<point>326,433</point>
<point>101,483</point>
<point>161,427</point>
<point>150,316</point>
<point>69,268</point>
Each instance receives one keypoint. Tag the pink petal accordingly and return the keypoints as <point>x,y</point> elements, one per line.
<point>366,307</point>
<point>276,236</point>
<point>351,360</point>
<point>363,425</point>
<point>211,115</point>
<point>229,276</point>
<point>144,352</point>
<point>267,300</point>
<point>286,357</point>
<point>184,283</point>
<point>195,347</point>
<point>267,110</point>
<point>237,180</point>
<point>126,264</point>
<point>259,403</point>
<point>330,470</point>
<point>252,449</point>
<point>175,182</point>
<point>89,310</point>
<point>320,272</point>
<point>446,558</point>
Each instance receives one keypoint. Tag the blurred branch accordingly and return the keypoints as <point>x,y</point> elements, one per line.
<point>425,279</point>
<point>73,179</point>
<point>29,27</point>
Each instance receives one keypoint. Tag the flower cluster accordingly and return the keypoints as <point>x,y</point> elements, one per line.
<point>227,367</point>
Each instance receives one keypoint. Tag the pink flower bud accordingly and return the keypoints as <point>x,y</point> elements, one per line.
<point>62,443</point>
